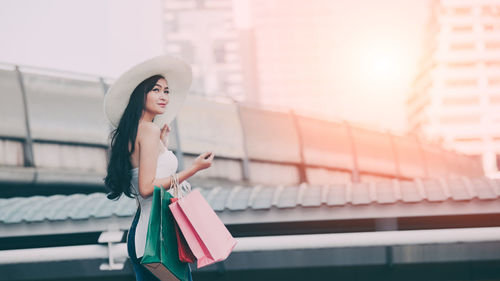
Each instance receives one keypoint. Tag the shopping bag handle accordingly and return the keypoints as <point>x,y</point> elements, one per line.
<point>180,190</point>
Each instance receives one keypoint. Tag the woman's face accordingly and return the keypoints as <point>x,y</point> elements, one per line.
<point>157,98</point>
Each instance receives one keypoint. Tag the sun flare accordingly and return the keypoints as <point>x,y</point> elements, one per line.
<point>384,65</point>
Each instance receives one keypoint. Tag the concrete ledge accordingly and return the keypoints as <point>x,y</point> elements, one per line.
<point>31,175</point>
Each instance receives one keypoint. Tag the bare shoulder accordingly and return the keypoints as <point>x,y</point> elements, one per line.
<point>148,130</point>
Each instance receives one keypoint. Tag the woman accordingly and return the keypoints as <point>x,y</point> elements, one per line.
<point>139,157</point>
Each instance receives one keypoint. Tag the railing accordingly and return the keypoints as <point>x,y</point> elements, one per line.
<point>58,122</point>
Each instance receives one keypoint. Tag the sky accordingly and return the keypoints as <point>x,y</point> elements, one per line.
<point>97,37</point>
<point>374,62</point>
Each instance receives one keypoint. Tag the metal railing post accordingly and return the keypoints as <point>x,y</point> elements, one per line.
<point>178,150</point>
<point>244,160</point>
<point>395,154</point>
<point>355,170</point>
<point>422,154</point>
<point>302,165</point>
<point>28,144</point>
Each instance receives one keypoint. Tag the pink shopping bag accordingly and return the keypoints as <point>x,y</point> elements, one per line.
<point>206,235</point>
<point>185,254</point>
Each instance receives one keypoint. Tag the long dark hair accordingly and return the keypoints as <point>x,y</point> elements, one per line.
<point>117,180</point>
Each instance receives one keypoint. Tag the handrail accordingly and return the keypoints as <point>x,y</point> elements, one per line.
<point>273,243</point>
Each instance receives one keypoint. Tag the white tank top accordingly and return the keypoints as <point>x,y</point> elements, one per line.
<point>166,166</point>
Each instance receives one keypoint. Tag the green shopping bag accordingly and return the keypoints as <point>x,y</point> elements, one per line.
<point>161,255</point>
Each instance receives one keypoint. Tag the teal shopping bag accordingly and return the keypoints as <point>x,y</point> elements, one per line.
<point>161,255</point>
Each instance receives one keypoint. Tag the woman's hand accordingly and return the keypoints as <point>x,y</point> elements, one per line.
<point>203,161</point>
<point>164,134</point>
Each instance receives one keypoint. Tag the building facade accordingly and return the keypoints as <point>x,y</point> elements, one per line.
<point>203,33</point>
<point>293,46</point>
<point>267,53</point>
<point>455,97</point>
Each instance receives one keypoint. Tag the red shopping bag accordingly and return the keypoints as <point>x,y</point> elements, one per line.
<point>185,254</point>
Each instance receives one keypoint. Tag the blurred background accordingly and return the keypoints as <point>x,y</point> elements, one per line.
<point>354,140</point>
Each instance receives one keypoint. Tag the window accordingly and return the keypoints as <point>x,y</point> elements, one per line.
<point>468,139</point>
<point>219,52</point>
<point>492,45</point>
<point>462,28</point>
<point>462,46</point>
<point>461,11</point>
<point>461,101</point>
<point>492,11</point>
<point>187,51</point>
<point>461,82</point>
<point>491,27</point>
<point>460,65</point>
<point>495,63</point>
<point>494,81</point>
<point>171,22</point>
<point>460,119</point>
<point>495,99</point>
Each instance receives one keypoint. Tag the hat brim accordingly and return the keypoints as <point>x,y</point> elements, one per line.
<point>177,73</point>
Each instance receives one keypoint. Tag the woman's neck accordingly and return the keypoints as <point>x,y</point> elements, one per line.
<point>147,116</point>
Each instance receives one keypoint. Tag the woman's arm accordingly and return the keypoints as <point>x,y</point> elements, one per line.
<point>148,135</point>
<point>148,156</point>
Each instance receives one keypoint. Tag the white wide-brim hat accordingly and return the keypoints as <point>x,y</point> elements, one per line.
<point>177,73</point>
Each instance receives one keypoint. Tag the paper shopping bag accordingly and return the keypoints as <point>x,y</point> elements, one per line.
<point>185,254</point>
<point>206,235</point>
<point>161,253</point>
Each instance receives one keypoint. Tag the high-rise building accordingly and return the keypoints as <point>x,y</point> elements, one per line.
<point>456,95</point>
<point>203,33</point>
<point>293,48</point>
<point>263,52</point>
